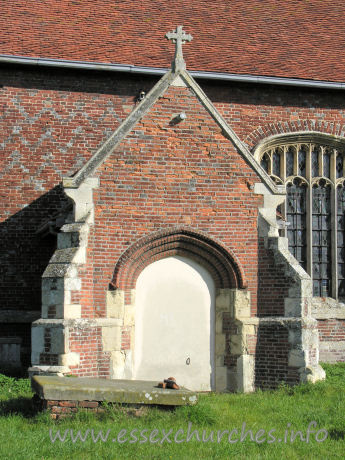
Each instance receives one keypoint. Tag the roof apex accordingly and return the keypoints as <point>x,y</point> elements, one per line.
<point>142,108</point>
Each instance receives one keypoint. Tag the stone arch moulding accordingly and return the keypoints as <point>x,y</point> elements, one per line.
<point>232,299</point>
<point>180,241</point>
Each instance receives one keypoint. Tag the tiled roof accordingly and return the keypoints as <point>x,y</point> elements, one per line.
<point>291,38</point>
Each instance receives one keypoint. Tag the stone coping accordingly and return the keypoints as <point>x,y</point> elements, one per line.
<point>118,391</point>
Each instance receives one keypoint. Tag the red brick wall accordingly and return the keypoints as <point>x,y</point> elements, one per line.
<point>331,329</point>
<point>87,342</point>
<point>163,175</point>
<point>273,284</point>
<point>271,362</point>
<point>50,124</point>
<point>256,112</point>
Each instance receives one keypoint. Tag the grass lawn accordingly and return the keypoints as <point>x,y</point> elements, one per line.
<point>25,435</point>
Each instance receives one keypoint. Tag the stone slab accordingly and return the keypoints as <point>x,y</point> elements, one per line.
<point>118,391</point>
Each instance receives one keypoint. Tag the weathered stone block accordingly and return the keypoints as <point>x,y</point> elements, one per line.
<point>72,311</point>
<point>37,341</point>
<point>245,373</point>
<point>129,315</point>
<point>296,358</point>
<point>236,344</point>
<point>219,323</point>
<point>241,303</point>
<point>221,382</point>
<point>220,344</point>
<point>69,359</point>
<point>120,391</point>
<point>224,299</point>
<point>52,291</point>
<point>312,374</point>
<point>73,284</point>
<point>111,338</point>
<point>115,304</point>
<point>117,364</point>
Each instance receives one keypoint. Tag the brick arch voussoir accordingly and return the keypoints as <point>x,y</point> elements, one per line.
<point>290,127</point>
<point>212,255</point>
<point>218,271</point>
<point>131,281</point>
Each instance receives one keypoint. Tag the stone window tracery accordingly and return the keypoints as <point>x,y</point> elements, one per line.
<point>312,169</point>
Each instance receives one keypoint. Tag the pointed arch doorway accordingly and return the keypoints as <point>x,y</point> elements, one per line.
<point>175,323</point>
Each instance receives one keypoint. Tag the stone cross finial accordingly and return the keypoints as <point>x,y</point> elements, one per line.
<point>179,37</point>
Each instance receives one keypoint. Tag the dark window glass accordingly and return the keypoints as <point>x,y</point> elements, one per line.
<point>296,216</point>
<point>321,240</point>
<point>276,162</point>
<point>289,161</point>
<point>327,164</point>
<point>340,240</point>
<point>265,162</point>
<point>339,165</point>
<point>315,161</point>
<point>302,160</point>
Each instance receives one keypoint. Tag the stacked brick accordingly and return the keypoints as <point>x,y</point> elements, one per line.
<point>61,409</point>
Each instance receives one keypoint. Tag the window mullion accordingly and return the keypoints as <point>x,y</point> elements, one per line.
<point>270,163</point>
<point>309,214</point>
<point>309,225</point>
<point>283,206</point>
<point>334,209</point>
<point>334,244</point>
<point>283,165</point>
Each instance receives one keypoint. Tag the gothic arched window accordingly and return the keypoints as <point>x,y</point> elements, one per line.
<point>312,168</point>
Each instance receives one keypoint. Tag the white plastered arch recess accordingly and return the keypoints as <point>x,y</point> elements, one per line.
<point>175,323</point>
